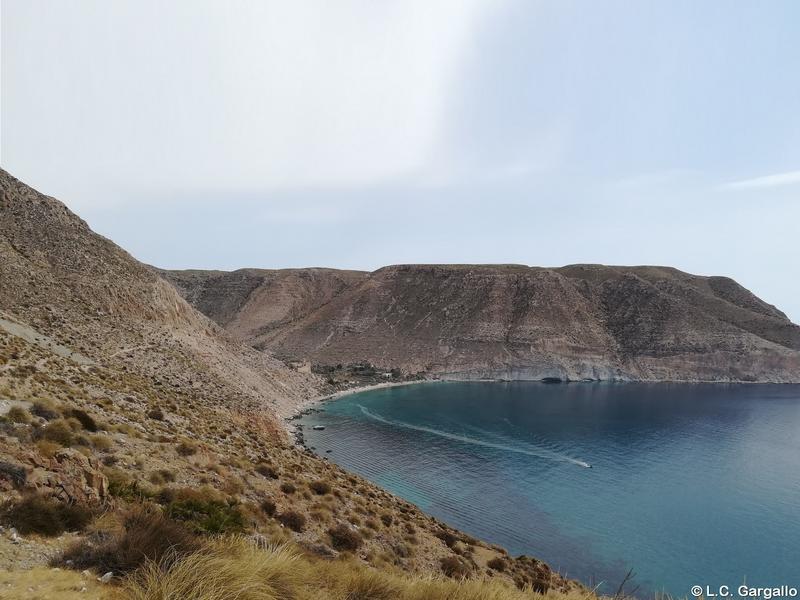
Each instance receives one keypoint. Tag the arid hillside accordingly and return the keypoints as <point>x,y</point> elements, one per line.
<point>507,321</point>
<point>133,428</point>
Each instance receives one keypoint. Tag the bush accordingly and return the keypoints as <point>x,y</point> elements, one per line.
<point>203,511</point>
<point>497,564</point>
<point>120,485</point>
<point>448,538</point>
<point>288,488</point>
<point>156,414</point>
<point>161,476</point>
<point>46,516</point>
<point>387,519</point>
<point>84,418</point>
<point>268,507</point>
<point>16,474</point>
<point>293,520</point>
<point>47,448</point>
<point>186,448</point>
<point>320,487</point>
<point>147,535</point>
<point>58,431</point>
<point>17,414</point>
<point>102,442</point>
<point>344,538</point>
<point>44,409</point>
<point>267,471</point>
<point>454,567</point>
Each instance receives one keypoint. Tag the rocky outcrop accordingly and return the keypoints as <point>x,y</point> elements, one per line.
<point>69,476</point>
<point>508,321</point>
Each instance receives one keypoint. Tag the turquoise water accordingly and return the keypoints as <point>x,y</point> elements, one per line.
<point>688,485</point>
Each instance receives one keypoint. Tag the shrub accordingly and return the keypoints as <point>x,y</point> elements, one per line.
<point>146,535</point>
<point>288,488</point>
<point>44,409</point>
<point>84,418</point>
<point>268,507</point>
<point>102,442</point>
<point>59,432</point>
<point>320,487</point>
<point>16,474</point>
<point>497,564</point>
<point>454,567</point>
<point>186,448</point>
<point>17,414</point>
<point>46,516</point>
<point>293,520</point>
<point>203,511</point>
<point>344,538</point>
<point>448,538</point>
<point>47,448</point>
<point>387,519</point>
<point>156,414</point>
<point>120,485</point>
<point>267,471</point>
<point>227,568</point>
<point>161,476</point>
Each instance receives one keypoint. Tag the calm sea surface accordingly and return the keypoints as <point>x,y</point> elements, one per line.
<point>689,484</point>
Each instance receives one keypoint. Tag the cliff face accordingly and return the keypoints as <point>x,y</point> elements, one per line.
<point>507,321</point>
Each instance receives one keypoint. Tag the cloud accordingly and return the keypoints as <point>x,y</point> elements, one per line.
<point>767,181</point>
<point>243,94</point>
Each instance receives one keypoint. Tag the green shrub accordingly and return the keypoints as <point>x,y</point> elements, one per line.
<point>203,511</point>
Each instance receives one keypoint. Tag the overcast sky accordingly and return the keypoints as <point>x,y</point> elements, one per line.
<point>226,134</point>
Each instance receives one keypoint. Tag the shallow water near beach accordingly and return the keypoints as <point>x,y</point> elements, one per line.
<point>688,485</point>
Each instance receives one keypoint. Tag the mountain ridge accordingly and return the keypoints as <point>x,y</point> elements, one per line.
<point>580,321</point>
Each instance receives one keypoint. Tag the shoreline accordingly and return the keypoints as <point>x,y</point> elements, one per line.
<point>294,429</point>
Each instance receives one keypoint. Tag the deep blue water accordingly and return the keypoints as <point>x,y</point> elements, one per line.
<point>690,484</point>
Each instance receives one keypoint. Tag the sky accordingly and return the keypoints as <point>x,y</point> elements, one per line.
<point>236,133</point>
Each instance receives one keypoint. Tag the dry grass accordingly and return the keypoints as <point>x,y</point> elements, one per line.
<point>237,568</point>
<point>51,584</point>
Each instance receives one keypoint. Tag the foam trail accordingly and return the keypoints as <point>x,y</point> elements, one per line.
<point>538,453</point>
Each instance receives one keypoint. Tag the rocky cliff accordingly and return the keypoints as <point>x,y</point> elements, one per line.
<point>507,321</point>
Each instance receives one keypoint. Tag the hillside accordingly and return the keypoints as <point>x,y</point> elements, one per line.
<point>136,423</point>
<point>507,321</point>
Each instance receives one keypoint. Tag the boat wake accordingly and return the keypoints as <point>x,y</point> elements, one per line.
<point>537,452</point>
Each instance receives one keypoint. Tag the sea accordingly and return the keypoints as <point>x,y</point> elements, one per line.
<point>683,484</point>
